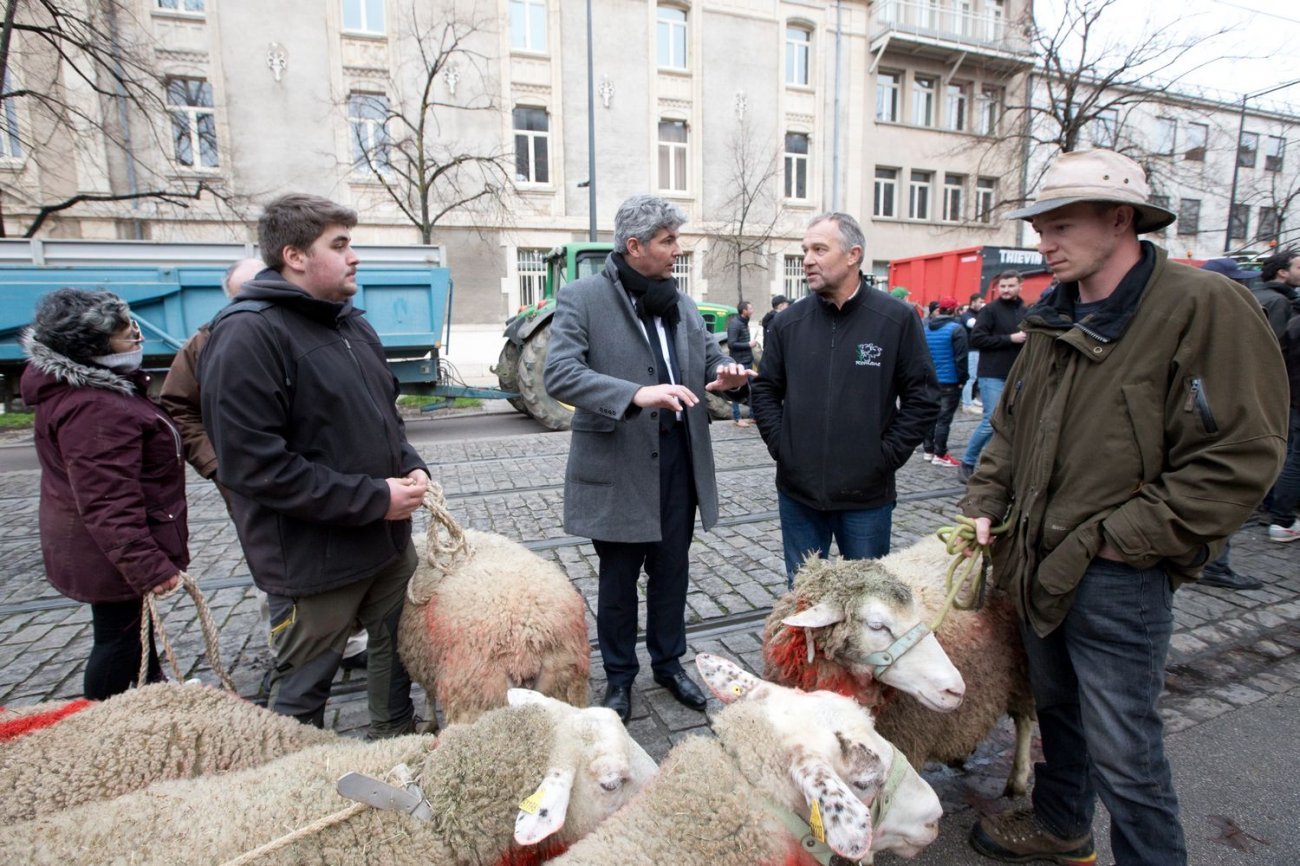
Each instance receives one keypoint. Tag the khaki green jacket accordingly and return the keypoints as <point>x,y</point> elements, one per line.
<point>1157,424</point>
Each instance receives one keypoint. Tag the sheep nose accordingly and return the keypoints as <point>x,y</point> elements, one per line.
<point>611,784</point>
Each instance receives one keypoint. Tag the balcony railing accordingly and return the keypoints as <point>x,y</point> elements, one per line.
<point>944,20</point>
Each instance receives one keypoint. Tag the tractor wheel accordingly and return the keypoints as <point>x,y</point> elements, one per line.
<point>507,370</point>
<point>548,411</point>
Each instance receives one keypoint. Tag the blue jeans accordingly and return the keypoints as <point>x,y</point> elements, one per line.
<point>860,533</point>
<point>1286,491</point>
<point>968,392</point>
<point>990,393</point>
<point>1096,680</point>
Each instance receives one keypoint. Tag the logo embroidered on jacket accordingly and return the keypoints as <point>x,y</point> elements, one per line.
<point>868,355</point>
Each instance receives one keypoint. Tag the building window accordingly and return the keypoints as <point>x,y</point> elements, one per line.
<point>1247,147</point>
<point>532,275</point>
<point>796,165</point>
<point>672,155</point>
<point>887,87</point>
<point>11,145</point>
<point>194,125</point>
<point>792,278</point>
<point>1268,226</point>
<point>886,197</point>
<point>671,30</point>
<point>532,151</point>
<point>1105,128</point>
<point>953,184</point>
<point>986,189</point>
<point>682,272</point>
<point>528,25</point>
<point>1166,133</point>
<point>1161,201</point>
<point>918,195</point>
<point>363,16</point>
<point>1275,144</point>
<point>927,13</point>
<point>995,16</point>
<point>1189,217</point>
<point>1197,135</point>
<point>798,43</point>
<point>989,110</point>
<point>1239,222</point>
<point>923,101</point>
<point>368,119</point>
<point>194,7</point>
<point>955,114</point>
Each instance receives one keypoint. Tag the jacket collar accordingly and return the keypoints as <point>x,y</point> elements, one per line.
<point>1055,310</point>
<point>270,286</point>
<point>850,305</point>
<point>72,373</point>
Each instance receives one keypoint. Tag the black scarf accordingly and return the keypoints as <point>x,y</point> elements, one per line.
<point>652,297</point>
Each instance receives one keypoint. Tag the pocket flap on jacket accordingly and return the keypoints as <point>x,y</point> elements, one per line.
<point>590,422</point>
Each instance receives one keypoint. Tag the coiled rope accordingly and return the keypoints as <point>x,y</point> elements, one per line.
<point>962,546</point>
<point>151,618</point>
<point>443,556</point>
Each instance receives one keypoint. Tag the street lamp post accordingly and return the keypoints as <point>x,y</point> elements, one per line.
<point>1236,157</point>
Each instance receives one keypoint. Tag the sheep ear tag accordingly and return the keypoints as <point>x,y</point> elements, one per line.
<point>542,812</point>
<point>728,681</point>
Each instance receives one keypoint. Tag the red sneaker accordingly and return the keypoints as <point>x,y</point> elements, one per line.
<point>945,460</point>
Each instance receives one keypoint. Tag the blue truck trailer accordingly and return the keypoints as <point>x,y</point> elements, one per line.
<point>173,288</point>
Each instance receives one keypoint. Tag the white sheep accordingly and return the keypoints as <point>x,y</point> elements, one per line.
<point>840,604</point>
<point>145,735</point>
<point>502,618</point>
<point>565,769</point>
<point>783,760</point>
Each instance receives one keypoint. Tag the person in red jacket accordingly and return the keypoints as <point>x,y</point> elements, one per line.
<point>112,513</point>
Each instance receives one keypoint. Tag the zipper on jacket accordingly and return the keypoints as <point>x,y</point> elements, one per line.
<point>826,407</point>
<point>1197,400</point>
<point>176,437</point>
<point>1091,333</point>
<point>1015,392</point>
<point>394,453</point>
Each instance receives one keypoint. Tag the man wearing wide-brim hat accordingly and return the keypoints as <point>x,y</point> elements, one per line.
<point>1139,427</point>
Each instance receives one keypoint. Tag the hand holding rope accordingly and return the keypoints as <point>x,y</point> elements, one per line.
<point>961,543</point>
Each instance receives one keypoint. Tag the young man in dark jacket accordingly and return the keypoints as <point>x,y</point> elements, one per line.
<point>998,338</point>
<point>300,406</point>
<point>945,337</point>
<point>845,392</point>
<point>741,349</point>
<point>1279,278</point>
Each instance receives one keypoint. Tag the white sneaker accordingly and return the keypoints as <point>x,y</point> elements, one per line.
<point>1284,533</point>
<point>927,456</point>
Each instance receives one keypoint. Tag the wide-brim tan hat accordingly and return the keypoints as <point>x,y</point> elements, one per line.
<point>1102,176</point>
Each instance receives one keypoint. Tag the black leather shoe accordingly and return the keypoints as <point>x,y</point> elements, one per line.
<point>619,699</point>
<point>1229,579</point>
<point>684,689</point>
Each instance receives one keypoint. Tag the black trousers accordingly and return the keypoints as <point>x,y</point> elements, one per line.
<point>936,441</point>
<point>114,662</point>
<point>666,567</point>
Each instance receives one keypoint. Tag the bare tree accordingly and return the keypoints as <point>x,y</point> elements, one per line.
<point>84,74</point>
<point>418,151</point>
<point>748,216</point>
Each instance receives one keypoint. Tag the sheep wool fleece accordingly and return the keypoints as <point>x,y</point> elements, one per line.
<point>144,735</point>
<point>474,780</point>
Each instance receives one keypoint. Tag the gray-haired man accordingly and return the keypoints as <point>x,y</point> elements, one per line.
<point>632,355</point>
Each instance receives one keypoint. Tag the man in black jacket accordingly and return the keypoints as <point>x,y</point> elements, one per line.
<point>998,338</point>
<point>741,349</point>
<point>845,393</point>
<point>300,406</point>
<point>1280,276</point>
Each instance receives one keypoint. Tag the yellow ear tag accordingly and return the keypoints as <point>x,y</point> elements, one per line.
<point>815,823</point>
<point>737,690</point>
<point>532,802</point>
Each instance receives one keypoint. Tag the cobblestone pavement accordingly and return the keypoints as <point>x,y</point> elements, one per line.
<point>1230,649</point>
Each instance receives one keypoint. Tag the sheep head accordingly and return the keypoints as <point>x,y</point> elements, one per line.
<point>853,608</point>
<point>834,764</point>
<point>594,768</point>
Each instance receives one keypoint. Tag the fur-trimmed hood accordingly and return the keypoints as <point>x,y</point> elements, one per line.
<point>62,370</point>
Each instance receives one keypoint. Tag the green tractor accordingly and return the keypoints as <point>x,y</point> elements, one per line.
<point>528,334</point>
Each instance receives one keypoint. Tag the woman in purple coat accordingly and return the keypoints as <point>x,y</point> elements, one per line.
<point>112,514</point>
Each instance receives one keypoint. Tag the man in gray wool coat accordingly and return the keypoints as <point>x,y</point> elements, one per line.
<point>632,355</point>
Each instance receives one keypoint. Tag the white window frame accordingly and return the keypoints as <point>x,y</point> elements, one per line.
<point>920,194</point>
<point>1247,135</point>
<point>796,168</point>
<point>11,141</point>
<point>189,8</point>
<point>671,37</point>
<point>989,110</point>
<point>1239,222</point>
<point>682,272</point>
<point>1266,226</point>
<point>1194,131</point>
<point>1105,128</point>
<point>986,193</point>
<point>530,264</point>
<point>956,113</point>
<point>1166,137</point>
<point>793,278</point>
<point>924,92</point>
<point>363,9</point>
<point>885,193</point>
<point>369,134</point>
<point>1189,217</point>
<point>675,156</point>
<point>192,115</point>
<point>889,85</point>
<point>527,20</point>
<point>798,55</point>
<point>531,139</point>
<point>954,187</point>
<point>1275,154</point>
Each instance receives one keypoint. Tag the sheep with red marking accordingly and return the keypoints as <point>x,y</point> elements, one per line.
<point>540,772</point>
<point>850,609</point>
<point>144,735</point>
<point>782,760</point>
<point>499,619</point>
